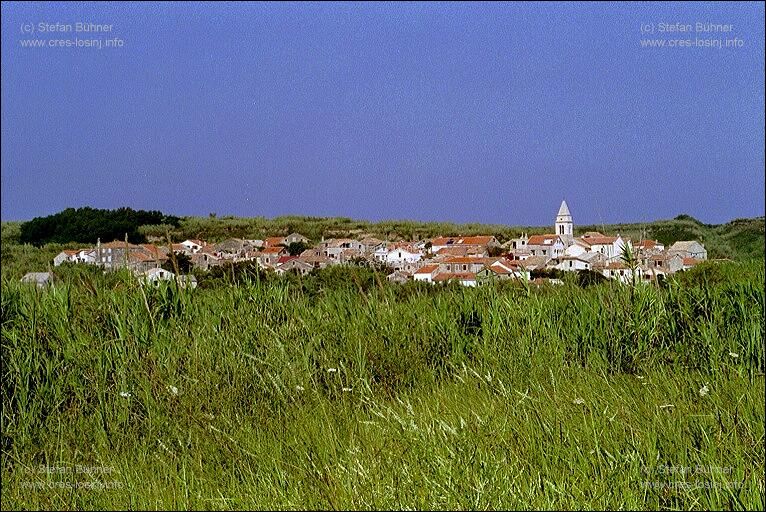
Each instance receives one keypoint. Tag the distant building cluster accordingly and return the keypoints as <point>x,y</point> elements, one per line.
<point>468,260</point>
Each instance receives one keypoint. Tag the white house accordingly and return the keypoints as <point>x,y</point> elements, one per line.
<point>154,276</point>
<point>621,272</point>
<point>395,255</point>
<point>426,273</point>
<point>550,246</point>
<point>609,246</point>
<point>464,278</point>
<point>65,256</point>
<point>572,264</point>
<point>334,247</point>
<point>192,246</point>
<point>577,248</point>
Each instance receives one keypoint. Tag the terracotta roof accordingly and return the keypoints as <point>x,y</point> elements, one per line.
<point>139,257</point>
<point>403,246</point>
<point>71,252</point>
<point>460,250</point>
<point>428,269</point>
<point>464,240</point>
<point>691,261</point>
<point>465,260</point>
<point>285,259</point>
<point>116,244</point>
<point>151,249</point>
<point>273,250</point>
<point>542,239</point>
<point>602,240</point>
<point>274,240</point>
<point>647,244</point>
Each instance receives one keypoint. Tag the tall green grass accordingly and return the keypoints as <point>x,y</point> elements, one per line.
<point>273,393</point>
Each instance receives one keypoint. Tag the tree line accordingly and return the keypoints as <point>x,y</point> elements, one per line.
<point>87,224</point>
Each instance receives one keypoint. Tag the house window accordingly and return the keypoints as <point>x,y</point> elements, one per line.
<point>465,267</point>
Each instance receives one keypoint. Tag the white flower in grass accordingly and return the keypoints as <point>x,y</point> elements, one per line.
<point>125,394</point>
<point>299,388</point>
<point>173,389</point>
<point>332,370</point>
<point>734,355</point>
<point>578,401</point>
<point>347,389</point>
<point>704,390</point>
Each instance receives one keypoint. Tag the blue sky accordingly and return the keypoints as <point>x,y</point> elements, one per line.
<point>456,112</point>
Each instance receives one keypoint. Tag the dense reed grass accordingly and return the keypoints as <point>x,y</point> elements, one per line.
<point>270,393</point>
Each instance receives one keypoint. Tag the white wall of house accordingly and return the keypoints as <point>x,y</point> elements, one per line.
<point>62,257</point>
<point>574,250</point>
<point>400,256</point>
<point>192,247</point>
<point>425,277</point>
<point>572,265</point>
<point>613,250</point>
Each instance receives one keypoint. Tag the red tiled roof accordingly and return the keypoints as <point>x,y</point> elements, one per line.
<point>152,249</point>
<point>542,239</point>
<point>464,240</point>
<point>139,257</point>
<point>285,259</point>
<point>460,250</point>
<point>273,250</point>
<point>274,240</point>
<point>602,240</point>
<point>428,269</point>
<point>464,260</point>
<point>116,244</point>
<point>691,261</point>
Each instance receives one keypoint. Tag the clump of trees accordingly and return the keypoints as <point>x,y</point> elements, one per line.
<point>87,224</point>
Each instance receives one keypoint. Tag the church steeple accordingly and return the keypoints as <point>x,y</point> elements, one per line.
<point>564,224</point>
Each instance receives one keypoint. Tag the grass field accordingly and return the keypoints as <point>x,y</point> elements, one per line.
<point>293,394</point>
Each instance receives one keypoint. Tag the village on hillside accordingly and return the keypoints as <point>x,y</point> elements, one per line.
<point>468,260</point>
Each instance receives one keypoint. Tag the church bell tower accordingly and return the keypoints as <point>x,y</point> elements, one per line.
<point>564,224</point>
